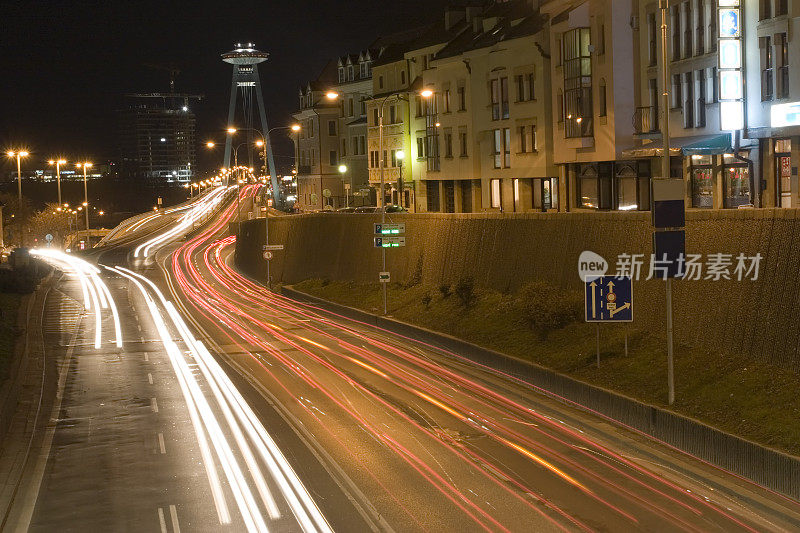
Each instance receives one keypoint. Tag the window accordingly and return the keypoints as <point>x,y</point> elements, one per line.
<point>601,99</point>
<point>502,148</point>
<point>344,148</point>
<point>463,138</point>
<point>764,9</point>
<point>781,7</point>
<point>578,83</point>
<point>419,106</point>
<point>394,158</point>
<point>688,103</point>
<point>380,82</point>
<point>782,49</point>
<point>714,85</point>
<point>601,39</point>
<point>362,141</point>
<point>712,28</point>
<point>375,117</point>
<point>700,115</point>
<point>350,74</point>
<point>534,139</point>
<point>652,35</point>
<point>766,67</point>
<point>350,108</point>
<point>354,145</point>
<point>462,98</point>
<point>527,139</point>
<point>700,41</point>
<point>523,141</point>
<point>676,32</point>
<point>446,103</point>
<point>402,77</point>
<point>499,93</point>
<point>331,127</point>
<point>333,160</point>
<point>341,75</point>
<point>494,194</point>
<point>363,69</point>
<point>420,147</point>
<point>520,88</point>
<point>677,99</point>
<point>363,107</point>
<point>448,144</point>
<point>392,114</point>
<point>687,29</point>
<point>531,87</point>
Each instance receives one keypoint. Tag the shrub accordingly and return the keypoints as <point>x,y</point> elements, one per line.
<point>546,308</point>
<point>465,290</point>
<point>444,288</point>
<point>426,300</point>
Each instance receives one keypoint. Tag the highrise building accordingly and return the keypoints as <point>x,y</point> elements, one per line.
<point>157,138</point>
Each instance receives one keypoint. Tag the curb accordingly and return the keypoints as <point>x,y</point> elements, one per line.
<point>763,466</point>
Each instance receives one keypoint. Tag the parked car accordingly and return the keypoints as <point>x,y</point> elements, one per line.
<point>395,209</point>
<point>346,210</point>
<point>366,209</point>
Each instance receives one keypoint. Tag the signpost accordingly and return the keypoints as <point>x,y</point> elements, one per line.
<point>389,242</point>
<point>608,299</point>
<point>266,247</point>
<point>390,229</point>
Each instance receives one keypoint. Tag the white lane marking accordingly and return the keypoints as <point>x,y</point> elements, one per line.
<point>146,357</point>
<point>173,513</point>
<point>154,405</point>
<point>161,445</point>
<point>161,520</point>
<point>150,378</point>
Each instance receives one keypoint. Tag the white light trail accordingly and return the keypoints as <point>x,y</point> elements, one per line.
<point>248,432</point>
<point>185,222</point>
<point>95,292</point>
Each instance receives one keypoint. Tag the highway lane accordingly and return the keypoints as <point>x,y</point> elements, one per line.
<point>427,441</point>
<point>147,433</point>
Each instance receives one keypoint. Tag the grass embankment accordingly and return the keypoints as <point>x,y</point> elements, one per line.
<point>737,394</point>
<point>9,308</point>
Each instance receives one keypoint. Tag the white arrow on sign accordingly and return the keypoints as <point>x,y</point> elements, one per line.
<point>594,302</point>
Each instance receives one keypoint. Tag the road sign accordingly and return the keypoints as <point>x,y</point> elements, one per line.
<point>389,242</point>
<point>48,237</point>
<point>609,299</point>
<point>266,247</point>
<point>267,255</point>
<point>668,247</point>
<point>389,229</point>
<point>384,277</point>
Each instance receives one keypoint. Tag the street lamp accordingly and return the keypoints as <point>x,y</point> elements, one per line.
<point>343,171</point>
<point>400,155</point>
<point>426,93</point>
<point>19,154</point>
<point>85,165</point>
<point>58,163</point>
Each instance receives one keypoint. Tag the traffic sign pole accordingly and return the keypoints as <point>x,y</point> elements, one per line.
<point>598,345</point>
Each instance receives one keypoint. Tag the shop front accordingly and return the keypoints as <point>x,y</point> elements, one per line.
<point>612,185</point>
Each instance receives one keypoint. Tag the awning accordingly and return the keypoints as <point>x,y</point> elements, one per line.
<point>693,145</point>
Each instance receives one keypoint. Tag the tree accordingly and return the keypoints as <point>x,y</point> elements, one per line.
<point>15,217</point>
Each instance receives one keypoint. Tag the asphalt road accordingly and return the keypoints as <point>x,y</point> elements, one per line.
<point>238,408</point>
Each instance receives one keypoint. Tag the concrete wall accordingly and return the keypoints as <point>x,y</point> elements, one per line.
<point>505,251</point>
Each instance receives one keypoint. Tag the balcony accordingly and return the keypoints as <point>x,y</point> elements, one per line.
<point>304,169</point>
<point>645,120</point>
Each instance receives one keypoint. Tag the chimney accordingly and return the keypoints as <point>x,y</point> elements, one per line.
<point>452,17</point>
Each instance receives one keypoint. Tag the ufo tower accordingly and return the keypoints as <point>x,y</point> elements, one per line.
<point>245,60</point>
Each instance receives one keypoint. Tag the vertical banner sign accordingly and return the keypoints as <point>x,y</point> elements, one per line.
<point>731,78</point>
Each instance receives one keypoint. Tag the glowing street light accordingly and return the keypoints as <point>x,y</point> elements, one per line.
<point>231,130</point>
<point>85,165</point>
<point>58,163</point>
<point>295,127</point>
<point>331,95</point>
<point>19,154</point>
<point>210,144</point>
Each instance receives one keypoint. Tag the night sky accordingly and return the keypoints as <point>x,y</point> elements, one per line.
<point>67,64</point>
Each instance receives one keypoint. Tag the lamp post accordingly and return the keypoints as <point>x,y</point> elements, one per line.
<point>427,93</point>
<point>85,166</point>
<point>19,154</point>
<point>343,171</point>
<point>58,163</point>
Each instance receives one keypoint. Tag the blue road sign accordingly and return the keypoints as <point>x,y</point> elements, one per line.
<point>609,299</point>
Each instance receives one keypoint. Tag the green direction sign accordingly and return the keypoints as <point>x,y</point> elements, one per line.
<point>383,277</point>
<point>390,229</point>
<point>389,242</point>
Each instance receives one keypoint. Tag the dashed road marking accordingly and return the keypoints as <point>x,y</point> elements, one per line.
<point>161,520</point>
<point>173,513</point>
<point>154,405</point>
<point>161,445</point>
<point>146,357</point>
<point>150,378</point>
